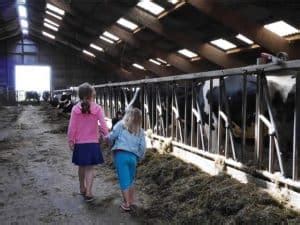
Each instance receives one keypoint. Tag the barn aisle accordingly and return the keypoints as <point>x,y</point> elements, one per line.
<point>38,183</point>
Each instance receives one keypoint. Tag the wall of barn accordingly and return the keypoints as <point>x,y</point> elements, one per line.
<point>69,68</point>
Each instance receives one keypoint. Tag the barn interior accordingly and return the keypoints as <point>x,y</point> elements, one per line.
<point>52,46</point>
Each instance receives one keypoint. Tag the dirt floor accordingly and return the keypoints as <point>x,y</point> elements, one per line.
<point>38,183</point>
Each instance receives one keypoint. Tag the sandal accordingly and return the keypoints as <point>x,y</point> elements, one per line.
<point>124,207</point>
<point>89,198</point>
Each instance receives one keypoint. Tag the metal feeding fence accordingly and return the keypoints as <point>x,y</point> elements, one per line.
<point>172,108</point>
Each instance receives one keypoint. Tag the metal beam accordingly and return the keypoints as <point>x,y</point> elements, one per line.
<point>256,32</point>
<point>173,59</point>
<point>205,50</point>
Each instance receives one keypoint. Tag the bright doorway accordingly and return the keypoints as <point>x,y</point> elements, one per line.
<point>32,78</point>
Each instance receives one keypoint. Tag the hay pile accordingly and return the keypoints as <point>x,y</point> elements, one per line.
<point>182,194</point>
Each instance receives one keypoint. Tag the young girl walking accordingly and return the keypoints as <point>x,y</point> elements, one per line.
<point>85,126</point>
<point>128,145</point>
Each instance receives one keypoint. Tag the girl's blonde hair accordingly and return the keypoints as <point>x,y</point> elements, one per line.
<point>133,120</point>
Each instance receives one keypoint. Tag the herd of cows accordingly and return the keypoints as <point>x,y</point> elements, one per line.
<point>282,97</point>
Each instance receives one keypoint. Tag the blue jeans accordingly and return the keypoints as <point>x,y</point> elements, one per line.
<point>125,163</point>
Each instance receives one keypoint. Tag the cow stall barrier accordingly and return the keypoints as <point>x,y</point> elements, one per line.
<point>172,111</point>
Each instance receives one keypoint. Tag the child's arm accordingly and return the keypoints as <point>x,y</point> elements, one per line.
<point>103,127</point>
<point>113,135</point>
<point>72,130</point>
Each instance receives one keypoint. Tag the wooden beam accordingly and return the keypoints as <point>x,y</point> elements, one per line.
<point>207,51</point>
<point>255,32</point>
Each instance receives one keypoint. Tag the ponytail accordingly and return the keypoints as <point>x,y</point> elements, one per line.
<point>85,107</point>
<point>85,92</point>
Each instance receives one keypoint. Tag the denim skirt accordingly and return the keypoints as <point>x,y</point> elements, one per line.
<point>87,154</point>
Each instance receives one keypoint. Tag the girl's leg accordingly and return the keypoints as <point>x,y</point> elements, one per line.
<point>81,175</point>
<point>89,178</point>
<point>131,195</point>
<point>132,172</point>
<point>126,197</point>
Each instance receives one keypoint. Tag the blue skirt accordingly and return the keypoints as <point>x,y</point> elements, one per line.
<point>87,154</point>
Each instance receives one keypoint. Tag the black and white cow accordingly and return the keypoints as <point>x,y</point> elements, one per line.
<point>281,90</point>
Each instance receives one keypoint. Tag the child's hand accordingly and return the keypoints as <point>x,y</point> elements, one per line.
<point>71,146</point>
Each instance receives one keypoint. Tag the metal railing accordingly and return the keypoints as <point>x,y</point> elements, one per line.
<point>171,108</point>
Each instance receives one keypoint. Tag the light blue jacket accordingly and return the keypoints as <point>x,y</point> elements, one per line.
<point>121,139</point>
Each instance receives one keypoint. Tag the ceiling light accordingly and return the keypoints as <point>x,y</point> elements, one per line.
<point>138,66</point>
<point>54,15</point>
<point>160,60</point>
<point>50,26</point>
<point>155,62</point>
<point>244,39</point>
<point>151,7</point>
<point>281,28</point>
<point>187,53</point>
<point>21,1</point>
<point>173,1</point>
<point>48,35</point>
<point>22,11</point>
<point>24,31</point>
<point>111,36</point>
<point>51,22</point>
<point>55,9</point>
<point>127,24</point>
<point>96,47</point>
<point>223,44</point>
<point>106,39</point>
<point>88,53</point>
<point>24,23</point>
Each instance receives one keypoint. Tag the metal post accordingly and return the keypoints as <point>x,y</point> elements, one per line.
<point>258,127</point>
<point>192,114</point>
<point>244,116</point>
<point>185,113</point>
<point>271,153</point>
<point>167,110</point>
<point>296,141</point>
<point>219,118</point>
<point>210,115</point>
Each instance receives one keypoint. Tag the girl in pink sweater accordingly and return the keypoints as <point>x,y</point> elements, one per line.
<point>85,127</point>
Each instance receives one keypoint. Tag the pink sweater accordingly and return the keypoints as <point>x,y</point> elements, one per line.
<point>86,128</point>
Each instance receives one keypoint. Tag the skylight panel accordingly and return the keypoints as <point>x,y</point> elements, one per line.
<point>281,28</point>
<point>96,47</point>
<point>154,61</point>
<point>138,66</point>
<point>151,7</point>
<point>187,53</point>
<point>127,24</point>
<point>111,36</point>
<point>106,39</point>
<point>161,60</point>
<point>24,31</point>
<point>223,44</point>
<point>174,2</point>
<point>88,53</point>
<point>244,39</point>
<point>50,26</point>
<point>22,11</point>
<point>55,9</point>
<point>24,23</point>
<point>54,15</point>
<point>48,35</point>
<point>51,22</point>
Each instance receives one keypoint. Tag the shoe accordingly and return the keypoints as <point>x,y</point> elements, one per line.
<point>125,208</point>
<point>89,198</point>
